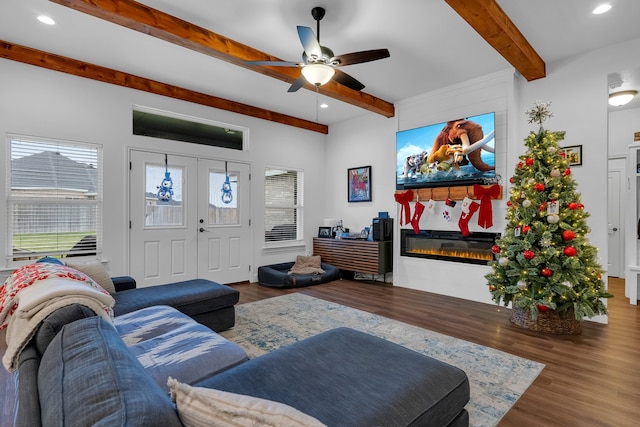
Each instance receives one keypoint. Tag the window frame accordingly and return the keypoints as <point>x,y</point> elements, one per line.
<point>298,206</point>
<point>13,201</point>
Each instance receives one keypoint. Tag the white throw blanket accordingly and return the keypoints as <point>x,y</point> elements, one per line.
<point>33,292</point>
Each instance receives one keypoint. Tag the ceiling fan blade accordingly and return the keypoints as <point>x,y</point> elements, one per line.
<point>360,57</point>
<point>309,42</point>
<point>348,81</point>
<point>297,84</point>
<point>275,63</point>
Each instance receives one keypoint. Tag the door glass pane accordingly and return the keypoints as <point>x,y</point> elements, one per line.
<point>162,213</point>
<point>223,196</point>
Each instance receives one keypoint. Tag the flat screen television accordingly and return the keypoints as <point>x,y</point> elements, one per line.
<point>456,152</point>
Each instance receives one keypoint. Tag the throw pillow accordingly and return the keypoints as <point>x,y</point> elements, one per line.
<point>96,271</point>
<point>205,407</point>
<point>307,265</point>
<point>50,260</point>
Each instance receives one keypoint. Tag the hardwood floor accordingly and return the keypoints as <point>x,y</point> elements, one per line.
<point>592,379</point>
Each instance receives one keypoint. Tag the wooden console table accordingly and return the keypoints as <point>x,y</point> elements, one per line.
<point>362,256</point>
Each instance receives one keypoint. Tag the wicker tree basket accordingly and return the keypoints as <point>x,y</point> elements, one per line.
<point>548,322</point>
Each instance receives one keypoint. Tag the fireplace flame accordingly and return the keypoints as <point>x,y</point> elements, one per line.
<point>454,253</point>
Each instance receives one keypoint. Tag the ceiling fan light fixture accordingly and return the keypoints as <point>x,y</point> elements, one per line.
<point>318,74</point>
<point>621,98</point>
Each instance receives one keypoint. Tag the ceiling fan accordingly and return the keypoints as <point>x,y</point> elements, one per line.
<point>318,64</point>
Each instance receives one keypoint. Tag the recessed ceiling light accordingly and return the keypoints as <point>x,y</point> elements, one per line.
<point>324,105</point>
<point>46,20</point>
<point>603,8</point>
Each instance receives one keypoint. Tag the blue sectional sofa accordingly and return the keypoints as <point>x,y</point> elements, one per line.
<point>86,375</point>
<point>83,370</point>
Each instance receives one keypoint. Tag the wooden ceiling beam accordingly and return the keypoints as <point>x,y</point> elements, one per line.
<point>142,18</point>
<point>78,68</point>
<point>493,25</point>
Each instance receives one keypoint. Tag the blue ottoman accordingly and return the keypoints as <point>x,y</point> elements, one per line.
<point>346,378</point>
<point>207,302</point>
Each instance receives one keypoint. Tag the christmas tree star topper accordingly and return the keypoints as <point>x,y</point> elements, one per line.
<point>539,112</point>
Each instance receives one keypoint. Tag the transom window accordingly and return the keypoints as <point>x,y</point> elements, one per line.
<point>54,199</point>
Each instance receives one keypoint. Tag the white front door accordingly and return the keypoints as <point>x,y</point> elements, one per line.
<point>190,235</point>
<point>224,247</point>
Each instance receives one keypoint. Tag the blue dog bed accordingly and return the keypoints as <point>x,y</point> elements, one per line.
<point>276,276</point>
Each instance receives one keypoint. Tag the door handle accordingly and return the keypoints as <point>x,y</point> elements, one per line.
<point>202,230</point>
<point>615,228</point>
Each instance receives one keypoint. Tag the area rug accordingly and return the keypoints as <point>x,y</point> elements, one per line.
<point>497,379</point>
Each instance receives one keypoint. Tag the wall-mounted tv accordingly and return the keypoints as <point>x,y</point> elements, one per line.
<point>456,152</point>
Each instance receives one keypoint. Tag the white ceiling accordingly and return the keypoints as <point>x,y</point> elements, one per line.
<point>431,46</point>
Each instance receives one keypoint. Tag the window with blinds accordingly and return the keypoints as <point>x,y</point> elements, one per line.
<point>283,205</point>
<point>54,199</point>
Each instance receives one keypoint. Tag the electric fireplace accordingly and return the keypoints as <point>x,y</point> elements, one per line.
<point>448,245</point>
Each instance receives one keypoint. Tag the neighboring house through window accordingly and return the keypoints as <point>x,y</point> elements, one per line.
<point>55,198</point>
<point>283,205</point>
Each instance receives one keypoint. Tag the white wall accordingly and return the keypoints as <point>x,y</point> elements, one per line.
<point>622,125</point>
<point>46,103</point>
<point>577,88</point>
<point>375,139</point>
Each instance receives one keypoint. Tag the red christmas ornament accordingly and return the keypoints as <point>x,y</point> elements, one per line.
<point>570,251</point>
<point>563,154</point>
<point>566,172</point>
<point>512,179</point>
<point>520,165</point>
<point>542,206</point>
<point>539,187</point>
<point>580,206</point>
<point>573,206</point>
<point>527,254</point>
<point>509,203</point>
<point>525,229</point>
<point>568,235</point>
<point>543,308</point>
<point>546,272</point>
<point>529,161</point>
<point>495,249</point>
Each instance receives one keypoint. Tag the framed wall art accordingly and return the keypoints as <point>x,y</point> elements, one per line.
<point>573,154</point>
<point>359,184</point>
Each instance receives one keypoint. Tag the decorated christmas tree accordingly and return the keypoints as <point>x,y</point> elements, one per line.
<point>544,261</point>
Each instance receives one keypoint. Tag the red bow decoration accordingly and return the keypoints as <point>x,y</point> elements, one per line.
<point>404,199</point>
<point>485,214</point>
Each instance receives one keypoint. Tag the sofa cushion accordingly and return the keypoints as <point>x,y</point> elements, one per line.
<point>53,323</point>
<point>169,343</point>
<point>87,376</point>
<point>204,407</point>
<point>192,297</point>
<point>368,380</point>
<point>95,269</point>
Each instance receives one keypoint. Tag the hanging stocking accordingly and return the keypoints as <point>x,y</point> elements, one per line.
<point>417,213</point>
<point>485,216</point>
<point>463,222</point>
<point>404,199</point>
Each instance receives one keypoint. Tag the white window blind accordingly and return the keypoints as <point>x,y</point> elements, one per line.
<point>54,198</point>
<point>283,205</point>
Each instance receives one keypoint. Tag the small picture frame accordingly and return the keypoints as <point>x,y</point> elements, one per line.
<point>324,232</point>
<point>359,184</point>
<point>573,154</point>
